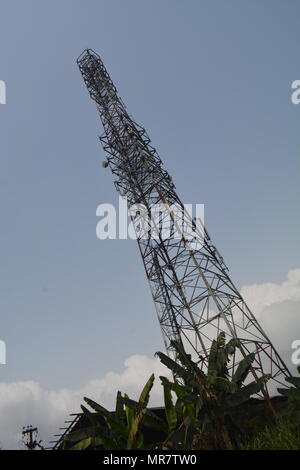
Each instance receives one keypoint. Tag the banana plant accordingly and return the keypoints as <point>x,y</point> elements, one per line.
<point>293,395</point>
<point>201,415</point>
<point>118,430</point>
<point>198,406</point>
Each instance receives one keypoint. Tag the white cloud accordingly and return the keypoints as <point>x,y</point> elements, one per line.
<point>276,306</point>
<point>261,296</point>
<point>23,403</point>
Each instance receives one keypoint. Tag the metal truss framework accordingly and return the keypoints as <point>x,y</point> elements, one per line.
<point>194,296</point>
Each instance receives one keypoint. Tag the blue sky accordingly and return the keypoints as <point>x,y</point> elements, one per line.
<point>210,81</point>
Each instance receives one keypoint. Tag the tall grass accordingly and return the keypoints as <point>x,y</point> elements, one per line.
<point>282,435</point>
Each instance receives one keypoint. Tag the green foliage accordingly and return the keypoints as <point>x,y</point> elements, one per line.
<point>284,432</point>
<point>281,435</point>
<point>170,409</point>
<point>121,430</point>
<point>292,410</point>
<point>199,406</point>
<point>204,401</point>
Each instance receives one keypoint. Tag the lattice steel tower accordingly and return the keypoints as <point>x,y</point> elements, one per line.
<point>191,288</point>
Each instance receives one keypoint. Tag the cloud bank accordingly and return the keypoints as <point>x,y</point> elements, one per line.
<point>29,403</point>
<point>276,306</point>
